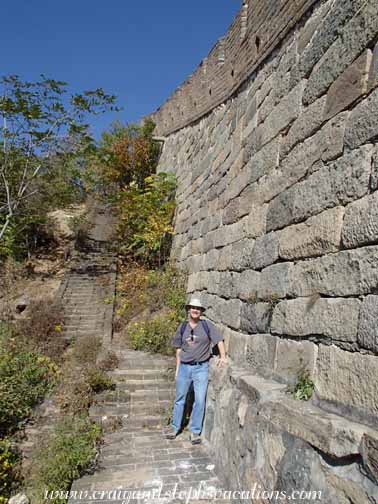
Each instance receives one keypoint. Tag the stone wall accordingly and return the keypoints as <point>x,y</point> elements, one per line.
<point>277,223</point>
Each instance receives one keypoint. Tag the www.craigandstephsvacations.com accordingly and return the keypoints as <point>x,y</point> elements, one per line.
<point>201,492</point>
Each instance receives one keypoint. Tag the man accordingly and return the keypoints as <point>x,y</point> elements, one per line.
<point>193,341</point>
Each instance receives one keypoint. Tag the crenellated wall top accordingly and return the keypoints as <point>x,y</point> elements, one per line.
<point>257,29</point>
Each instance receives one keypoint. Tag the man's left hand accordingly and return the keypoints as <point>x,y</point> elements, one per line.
<point>222,361</point>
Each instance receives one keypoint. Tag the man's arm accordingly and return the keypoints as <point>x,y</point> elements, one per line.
<point>222,351</point>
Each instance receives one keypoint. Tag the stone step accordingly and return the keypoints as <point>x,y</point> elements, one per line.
<point>147,372</point>
<point>137,387</point>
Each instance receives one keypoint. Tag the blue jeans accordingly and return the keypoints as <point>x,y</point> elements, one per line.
<point>199,375</point>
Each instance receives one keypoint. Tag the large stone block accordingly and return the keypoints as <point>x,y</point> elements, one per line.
<point>292,357</point>
<point>347,378</point>
<point>225,259</point>
<point>281,116</point>
<point>304,127</point>
<point>274,281</point>
<point>349,87</point>
<point>255,317</point>
<point>229,312</point>
<point>246,284</point>
<point>237,347</point>
<point>357,34</point>
<point>241,254</point>
<point>336,319</point>
<point>213,280</point>
<point>347,273</point>
<point>227,284</point>
<point>362,125</point>
<point>226,235</point>
<point>345,180</point>
<point>361,222</point>
<point>260,353</point>
<point>265,251</point>
<point>368,328</point>
<point>319,235</point>
<point>263,161</point>
<point>373,73</point>
<point>255,222</point>
<point>322,29</point>
<point>210,260</point>
<point>237,208</point>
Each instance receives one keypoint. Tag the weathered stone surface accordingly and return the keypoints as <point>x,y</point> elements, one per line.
<point>324,28</point>
<point>274,281</point>
<point>368,328</point>
<point>260,353</point>
<point>361,222</point>
<point>255,222</point>
<point>237,208</point>
<point>280,118</point>
<point>227,284</point>
<point>357,34</point>
<point>305,126</point>
<point>335,318</point>
<point>210,260</point>
<point>237,347</point>
<point>347,273</point>
<point>345,180</point>
<point>255,317</point>
<point>229,312</point>
<point>347,378</point>
<point>282,115</point>
<point>225,258</point>
<point>265,251</point>
<point>292,357</point>
<point>319,235</point>
<point>247,284</point>
<point>263,161</point>
<point>329,432</point>
<point>213,280</point>
<point>241,255</point>
<point>373,73</point>
<point>226,235</point>
<point>362,124</point>
<point>349,87</point>
<point>369,452</point>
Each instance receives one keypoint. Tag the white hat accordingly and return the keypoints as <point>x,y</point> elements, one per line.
<point>195,302</point>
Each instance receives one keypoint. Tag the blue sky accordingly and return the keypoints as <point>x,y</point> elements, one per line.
<point>139,51</point>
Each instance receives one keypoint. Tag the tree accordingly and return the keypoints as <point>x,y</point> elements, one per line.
<point>42,126</point>
<point>126,154</point>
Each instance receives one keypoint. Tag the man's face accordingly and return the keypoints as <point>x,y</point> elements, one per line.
<point>195,312</point>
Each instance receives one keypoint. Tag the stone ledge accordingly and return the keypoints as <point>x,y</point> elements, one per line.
<point>328,432</point>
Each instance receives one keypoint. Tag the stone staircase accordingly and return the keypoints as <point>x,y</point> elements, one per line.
<point>137,457</point>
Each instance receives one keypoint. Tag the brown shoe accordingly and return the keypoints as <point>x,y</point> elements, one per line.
<point>195,438</point>
<point>170,432</point>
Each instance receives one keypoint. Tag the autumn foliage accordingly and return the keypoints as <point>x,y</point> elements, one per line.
<point>125,173</point>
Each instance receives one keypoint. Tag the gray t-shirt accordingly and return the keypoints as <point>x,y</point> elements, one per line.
<point>196,346</point>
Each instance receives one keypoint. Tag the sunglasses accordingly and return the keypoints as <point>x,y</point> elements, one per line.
<point>192,335</point>
<point>194,308</point>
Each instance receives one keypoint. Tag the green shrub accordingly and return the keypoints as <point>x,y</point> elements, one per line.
<point>41,331</point>
<point>8,469</point>
<point>68,452</point>
<point>25,378</point>
<point>98,380</point>
<point>155,334</point>
<point>304,387</point>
